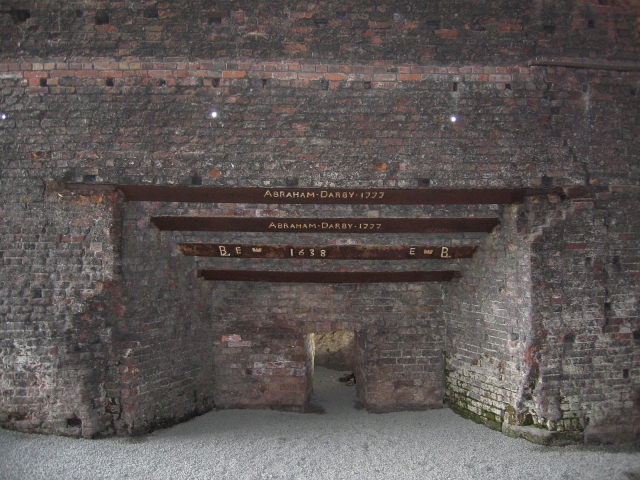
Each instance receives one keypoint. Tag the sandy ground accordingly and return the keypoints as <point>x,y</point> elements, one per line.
<point>344,443</point>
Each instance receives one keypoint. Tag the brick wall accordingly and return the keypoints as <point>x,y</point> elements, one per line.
<point>489,32</point>
<point>356,94</point>
<point>487,315</point>
<point>585,299</point>
<point>260,353</point>
<point>164,368</point>
<point>60,286</point>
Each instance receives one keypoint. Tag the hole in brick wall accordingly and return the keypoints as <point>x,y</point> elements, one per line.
<point>341,15</point>
<point>424,182</point>
<point>215,20</point>
<point>397,17</point>
<point>89,178</point>
<point>216,82</point>
<point>367,85</point>
<point>432,25</point>
<point>603,2</point>
<point>43,82</point>
<point>79,13</point>
<point>585,87</point>
<point>636,335</point>
<point>162,83</point>
<point>291,182</point>
<point>74,421</point>
<point>550,29</point>
<point>321,22</point>
<point>632,91</point>
<point>265,82</point>
<point>102,17</point>
<point>286,14</point>
<point>607,308</point>
<point>336,367</point>
<point>625,373</point>
<point>150,12</point>
<point>555,110</point>
<point>20,15</point>
<point>109,82</point>
<point>569,337</point>
<point>325,84</point>
<point>546,181</point>
<point>196,180</point>
<point>591,24</point>
<point>454,86</point>
<point>507,86</point>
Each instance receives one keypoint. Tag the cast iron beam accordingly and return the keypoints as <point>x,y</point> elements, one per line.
<point>333,252</point>
<point>370,196</point>
<point>325,225</point>
<point>328,277</point>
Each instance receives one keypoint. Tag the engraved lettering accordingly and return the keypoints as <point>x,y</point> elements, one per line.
<point>324,194</point>
<point>351,194</point>
<point>238,250</point>
<point>223,251</point>
<point>381,194</point>
<point>350,226</point>
<point>312,252</point>
<point>412,251</point>
<point>445,252</point>
<point>428,252</point>
<point>268,194</point>
<point>256,249</point>
<point>323,253</point>
<point>296,194</point>
<point>311,194</point>
<point>272,225</point>
<point>325,225</point>
<point>301,253</point>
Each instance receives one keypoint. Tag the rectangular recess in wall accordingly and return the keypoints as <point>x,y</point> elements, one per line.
<point>325,225</point>
<point>348,196</point>
<point>331,252</point>
<point>328,277</point>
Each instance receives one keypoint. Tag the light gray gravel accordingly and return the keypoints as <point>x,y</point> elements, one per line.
<point>343,443</point>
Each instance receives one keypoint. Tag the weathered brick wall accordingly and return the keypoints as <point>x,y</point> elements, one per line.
<point>260,351</point>
<point>488,327</point>
<point>489,32</point>
<point>163,371</point>
<point>542,328</point>
<point>585,318</point>
<point>59,286</point>
<point>365,100</point>
<point>515,125</point>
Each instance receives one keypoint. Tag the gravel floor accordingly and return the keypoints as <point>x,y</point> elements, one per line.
<point>343,443</point>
